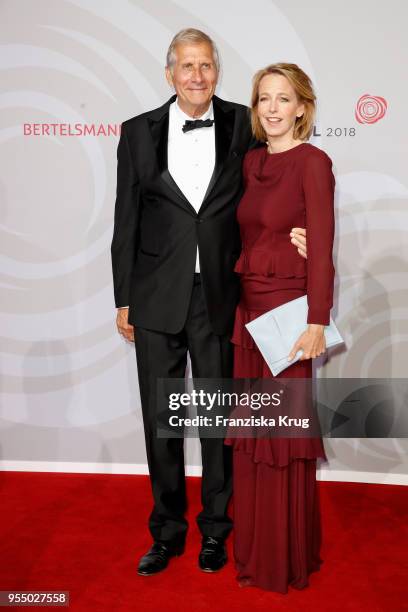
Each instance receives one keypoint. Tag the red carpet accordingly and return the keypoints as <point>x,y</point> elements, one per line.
<point>84,534</point>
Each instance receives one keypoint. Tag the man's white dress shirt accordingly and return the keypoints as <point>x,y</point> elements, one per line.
<point>191,156</point>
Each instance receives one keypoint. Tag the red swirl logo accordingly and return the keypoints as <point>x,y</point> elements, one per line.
<point>370,109</point>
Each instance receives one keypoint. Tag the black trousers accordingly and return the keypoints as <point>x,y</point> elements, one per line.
<point>161,355</point>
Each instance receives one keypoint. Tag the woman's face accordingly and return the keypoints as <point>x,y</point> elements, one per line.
<point>278,106</point>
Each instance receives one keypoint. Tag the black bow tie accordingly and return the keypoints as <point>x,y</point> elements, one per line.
<point>197,123</point>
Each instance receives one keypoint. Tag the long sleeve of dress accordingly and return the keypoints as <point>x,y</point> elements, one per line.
<point>318,188</point>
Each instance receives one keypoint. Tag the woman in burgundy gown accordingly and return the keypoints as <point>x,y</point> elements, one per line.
<point>288,183</point>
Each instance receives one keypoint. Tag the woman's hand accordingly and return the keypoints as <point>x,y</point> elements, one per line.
<point>312,342</point>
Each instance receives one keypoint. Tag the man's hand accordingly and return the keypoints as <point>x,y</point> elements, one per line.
<point>124,328</point>
<point>298,238</point>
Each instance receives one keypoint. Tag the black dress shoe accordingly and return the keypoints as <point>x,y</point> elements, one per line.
<point>213,555</point>
<point>157,559</point>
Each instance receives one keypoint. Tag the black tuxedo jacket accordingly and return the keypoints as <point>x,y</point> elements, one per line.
<point>156,229</point>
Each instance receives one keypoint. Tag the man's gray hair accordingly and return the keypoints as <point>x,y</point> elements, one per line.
<point>191,36</point>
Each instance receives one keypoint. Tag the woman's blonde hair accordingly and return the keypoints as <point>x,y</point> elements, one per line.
<point>303,87</point>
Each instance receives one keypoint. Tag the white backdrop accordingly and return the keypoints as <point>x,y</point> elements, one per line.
<point>71,72</point>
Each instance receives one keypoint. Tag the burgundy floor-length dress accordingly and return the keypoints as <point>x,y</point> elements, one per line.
<point>276,511</point>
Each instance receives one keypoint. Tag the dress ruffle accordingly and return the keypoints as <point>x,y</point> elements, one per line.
<point>282,264</point>
<point>240,334</point>
<point>248,362</point>
<point>278,452</point>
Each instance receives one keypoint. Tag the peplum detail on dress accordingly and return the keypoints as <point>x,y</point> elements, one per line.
<point>283,264</point>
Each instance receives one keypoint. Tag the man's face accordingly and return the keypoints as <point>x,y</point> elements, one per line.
<point>194,77</point>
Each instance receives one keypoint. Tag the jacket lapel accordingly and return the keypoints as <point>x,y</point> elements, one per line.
<point>224,118</point>
<point>159,128</point>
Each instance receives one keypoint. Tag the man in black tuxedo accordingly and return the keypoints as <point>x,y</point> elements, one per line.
<point>174,248</point>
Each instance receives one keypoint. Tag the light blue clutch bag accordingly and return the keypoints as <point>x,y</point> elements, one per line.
<point>276,331</point>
